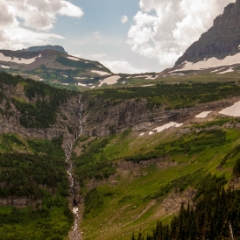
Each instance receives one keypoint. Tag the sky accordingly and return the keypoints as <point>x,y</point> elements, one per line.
<point>127,36</point>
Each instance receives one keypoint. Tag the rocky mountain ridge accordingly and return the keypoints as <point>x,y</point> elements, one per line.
<point>42,48</point>
<point>220,41</point>
<point>217,50</point>
<point>52,64</point>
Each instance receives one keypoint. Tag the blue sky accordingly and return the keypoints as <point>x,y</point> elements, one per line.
<point>152,37</point>
<point>101,35</point>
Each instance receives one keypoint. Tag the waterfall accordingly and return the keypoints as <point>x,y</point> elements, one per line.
<point>75,233</point>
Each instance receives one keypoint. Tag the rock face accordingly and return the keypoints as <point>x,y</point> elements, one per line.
<point>66,117</point>
<point>53,64</point>
<point>221,40</point>
<point>103,120</point>
<point>42,48</point>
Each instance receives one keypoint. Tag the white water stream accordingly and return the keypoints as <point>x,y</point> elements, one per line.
<point>75,233</point>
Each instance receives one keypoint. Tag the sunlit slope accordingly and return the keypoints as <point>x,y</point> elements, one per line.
<point>131,181</point>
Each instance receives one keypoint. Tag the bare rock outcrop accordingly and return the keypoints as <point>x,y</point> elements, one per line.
<point>105,119</point>
<point>221,40</point>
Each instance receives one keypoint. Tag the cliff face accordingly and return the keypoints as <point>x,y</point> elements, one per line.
<point>66,124</point>
<point>221,40</point>
<point>136,115</point>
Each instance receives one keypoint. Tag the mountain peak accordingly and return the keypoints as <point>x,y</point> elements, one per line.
<point>220,41</point>
<point>46,47</point>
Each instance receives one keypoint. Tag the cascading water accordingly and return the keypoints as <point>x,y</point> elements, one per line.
<point>75,233</point>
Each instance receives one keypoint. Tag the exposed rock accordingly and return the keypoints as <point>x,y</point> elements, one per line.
<point>19,202</point>
<point>103,120</point>
<point>42,48</point>
<point>221,40</point>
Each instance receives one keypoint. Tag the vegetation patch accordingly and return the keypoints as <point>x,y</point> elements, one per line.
<point>33,170</point>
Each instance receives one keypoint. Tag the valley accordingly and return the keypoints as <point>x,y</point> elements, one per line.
<point>91,154</point>
<point>134,155</point>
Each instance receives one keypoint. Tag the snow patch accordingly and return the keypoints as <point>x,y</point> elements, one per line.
<point>149,85</point>
<point>110,80</point>
<point>227,71</point>
<point>210,63</point>
<point>3,66</point>
<point>218,70</point>
<point>141,134</point>
<point>140,76</point>
<point>101,73</point>
<point>82,84</point>
<point>151,78</point>
<point>203,114</point>
<point>168,125</point>
<point>73,58</point>
<point>80,78</point>
<point>165,126</point>
<point>233,111</point>
<point>16,60</point>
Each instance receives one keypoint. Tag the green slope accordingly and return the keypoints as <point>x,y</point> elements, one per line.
<point>135,198</point>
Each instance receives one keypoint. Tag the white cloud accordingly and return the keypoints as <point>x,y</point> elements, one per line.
<point>27,22</point>
<point>165,29</point>
<point>122,66</point>
<point>124,19</point>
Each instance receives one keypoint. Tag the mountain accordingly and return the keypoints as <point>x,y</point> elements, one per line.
<point>217,48</point>
<point>42,48</point>
<point>123,158</point>
<point>52,64</point>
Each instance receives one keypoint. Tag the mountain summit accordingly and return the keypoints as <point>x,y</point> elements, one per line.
<point>53,64</point>
<point>219,46</point>
<point>42,48</point>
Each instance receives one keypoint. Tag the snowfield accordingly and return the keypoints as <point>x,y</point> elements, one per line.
<point>101,73</point>
<point>16,60</point>
<point>227,71</point>
<point>164,127</point>
<point>110,80</point>
<point>233,111</point>
<point>82,84</point>
<point>210,63</point>
<point>73,58</point>
<point>203,114</point>
<point>3,66</point>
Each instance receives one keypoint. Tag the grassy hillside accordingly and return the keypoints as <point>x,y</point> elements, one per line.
<point>164,167</point>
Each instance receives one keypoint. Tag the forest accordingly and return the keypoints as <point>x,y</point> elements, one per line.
<point>169,96</point>
<point>214,215</point>
<point>41,97</point>
<point>33,170</point>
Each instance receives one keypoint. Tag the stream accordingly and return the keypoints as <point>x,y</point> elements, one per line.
<point>75,232</point>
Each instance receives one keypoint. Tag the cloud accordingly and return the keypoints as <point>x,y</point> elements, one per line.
<point>121,66</point>
<point>27,22</point>
<point>124,19</point>
<point>165,29</point>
